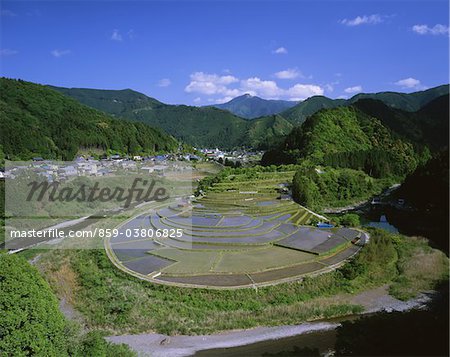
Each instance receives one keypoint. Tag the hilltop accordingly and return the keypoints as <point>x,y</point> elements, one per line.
<point>38,121</point>
<point>350,153</point>
<point>249,107</point>
<point>347,137</point>
<point>410,102</point>
<point>197,126</point>
<point>428,126</point>
<point>214,127</point>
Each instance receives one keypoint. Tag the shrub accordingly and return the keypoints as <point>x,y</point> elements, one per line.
<point>31,323</point>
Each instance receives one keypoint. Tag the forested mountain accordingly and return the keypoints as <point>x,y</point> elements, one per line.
<point>38,121</point>
<point>410,102</point>
<point>348,137</point>
<point>404,101</point>
<point>427,190</point>
<point>428,126</point>
<point>298,114</point>
<point>353,149</point>
<point>114,102</point>
<point>203,127</point>
<point>250,107</point>
<point>209,126</point>
<point>428,185</point>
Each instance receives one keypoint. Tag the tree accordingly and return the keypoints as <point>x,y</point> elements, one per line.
<point>30,323</point>
<point>349,220</point>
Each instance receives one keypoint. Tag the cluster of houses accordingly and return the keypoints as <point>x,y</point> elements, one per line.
<point>158,164</point>
<point>243,156</point>
<point>81,166</point>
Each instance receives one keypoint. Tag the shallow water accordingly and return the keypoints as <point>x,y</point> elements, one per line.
<point>422,332</point>
<point>383,223</point>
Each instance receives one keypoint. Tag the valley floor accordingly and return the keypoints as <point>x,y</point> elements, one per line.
<point>373,300</point>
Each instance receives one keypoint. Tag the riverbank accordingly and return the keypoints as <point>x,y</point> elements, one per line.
<point>159,345</point>
<point>361,204</point>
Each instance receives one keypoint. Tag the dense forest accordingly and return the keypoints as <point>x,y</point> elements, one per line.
<point>197,126</point>
<point>428,126</point>
<point>409,102</point>
<point>428,186</point>
<point>329,187</point>
<point>350,153</point>
<point>347,137</point>
<point>38,121</point>
<point>249,107</point>
<point>212,127</point>
<point>33,325</point>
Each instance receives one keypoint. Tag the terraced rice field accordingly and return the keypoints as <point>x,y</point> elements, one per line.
<point>233,237</point>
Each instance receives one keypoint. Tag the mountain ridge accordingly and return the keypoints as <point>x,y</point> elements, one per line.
<point>250,107</point>
<point>197,126</point>
<point>405,101</point>
<point>214,127</point>
<point>39,121</point>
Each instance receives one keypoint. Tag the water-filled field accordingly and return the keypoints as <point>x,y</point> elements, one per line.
<point>229,239</point>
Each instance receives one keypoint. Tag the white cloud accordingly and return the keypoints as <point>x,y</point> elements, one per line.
<point>210,84</point>
<point>361,20</point>
<point>116,36</point>
<point>228,87</point>
<point>410,83</point>
<point>280,51</point>
<point>165,82</point>
<point>435,30</point>
<point>8,13</point>
<point>270,89</point>
<point>329,87</point>
<point>8,52</point>
<point>289,73</point>
<point>256,86</point>
<point>303,91</point>
<point>355,89</point>
<point>205,77</point>
<point>59,53</point>
<point>197,100</point>
<point>131,34</point>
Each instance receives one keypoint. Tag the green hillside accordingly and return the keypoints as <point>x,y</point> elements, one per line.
<point>38,121</point>
<point>266,132</point>
<point>428,126</point>
<point>250,107</point>
<point>202,127</point>
<point>428,185</point>
<point>209,126</point>
<point>303,110</point>
<point>410,102</point>
<point>114,102</point>
<point>347,137</point>
<point>212,127</point>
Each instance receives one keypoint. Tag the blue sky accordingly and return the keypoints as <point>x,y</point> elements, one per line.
<point>205,52</point>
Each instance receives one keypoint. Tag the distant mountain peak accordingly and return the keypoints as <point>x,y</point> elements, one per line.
<point>249,106</point>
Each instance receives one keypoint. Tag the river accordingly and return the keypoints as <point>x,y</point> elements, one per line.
<point>420,332</point>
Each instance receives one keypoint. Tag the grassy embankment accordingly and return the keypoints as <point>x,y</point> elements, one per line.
<point>113,301</point>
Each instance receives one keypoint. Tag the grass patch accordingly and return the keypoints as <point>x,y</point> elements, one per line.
<point>420,268</point>
<point>114,301</point>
